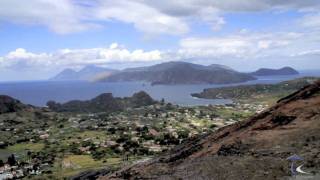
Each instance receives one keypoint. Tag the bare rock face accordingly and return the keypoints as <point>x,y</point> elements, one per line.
<point>253,149</point>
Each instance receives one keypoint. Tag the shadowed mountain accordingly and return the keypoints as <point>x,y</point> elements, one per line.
<point>181,73</point>
<point>103,103</point>
<point>257,148</point>
<point>90,72</point>
<point>275,72</point>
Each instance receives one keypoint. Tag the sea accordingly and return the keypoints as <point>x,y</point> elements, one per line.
<point>38,93</point>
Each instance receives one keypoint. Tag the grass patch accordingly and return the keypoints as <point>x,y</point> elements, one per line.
<point>233,114</point>
<point>74,164</point>
<point>200,122</point>
<point>26,146</point>
<point>80,136</point>
<point>92,134</point>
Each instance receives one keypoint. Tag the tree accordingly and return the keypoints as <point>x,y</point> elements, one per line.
<point>112,130</point>
<point>212,116</point>
<point>74,148</point>
<point>183,134</point>
<point>130,144</point>
<point>12,160</point>
<point>1,163</point>
<point>162,101</point>
<point>53,105</point>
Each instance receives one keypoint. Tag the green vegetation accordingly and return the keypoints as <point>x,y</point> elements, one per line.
<point>22,147</point>
<point>74,164</point>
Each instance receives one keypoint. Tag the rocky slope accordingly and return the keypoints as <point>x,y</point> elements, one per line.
<point>181,73</point>
<point>253,149</point>
<point>275,72</point>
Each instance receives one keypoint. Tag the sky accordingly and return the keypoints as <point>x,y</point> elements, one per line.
<point>39,38</point>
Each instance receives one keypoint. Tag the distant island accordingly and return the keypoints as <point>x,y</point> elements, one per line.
<point>88,73</point>
<point>169,73</point>
<point>172,73</point>
<point>275,72</point>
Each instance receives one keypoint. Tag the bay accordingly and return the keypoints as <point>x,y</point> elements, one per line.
<point>39,92</point>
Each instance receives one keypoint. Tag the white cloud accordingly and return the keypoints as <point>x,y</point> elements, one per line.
<point>68,16</point>
<point>307,53</point>
<point>163,17</point>
<point>242,45</point>
<point>311,21</point>
<point>244,50</point>
<point>214,46</point>
<point>145,18</point>
<point>124,55</point>
<point>113,45</point>
<point>150,17</point>
<point>61,16</point>
<point>22,59</point>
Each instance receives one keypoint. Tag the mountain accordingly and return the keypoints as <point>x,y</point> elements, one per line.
<point>219,66</point>
<point>90,72</point>
<point>180,73</point>
<point>275,72</point>
<point>66,74</point>
<point>256,148</point>
<point>103,103</point>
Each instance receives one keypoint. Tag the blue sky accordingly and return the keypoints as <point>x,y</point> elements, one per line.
<point>40,38</point>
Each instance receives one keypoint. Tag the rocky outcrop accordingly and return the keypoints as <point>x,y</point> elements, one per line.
<point>9,104</point>
<point>103,103</point>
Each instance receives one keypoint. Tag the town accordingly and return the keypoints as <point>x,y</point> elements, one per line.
<point>70,143</point>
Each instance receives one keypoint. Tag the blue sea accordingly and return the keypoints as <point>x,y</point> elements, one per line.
<point>39,92</point>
